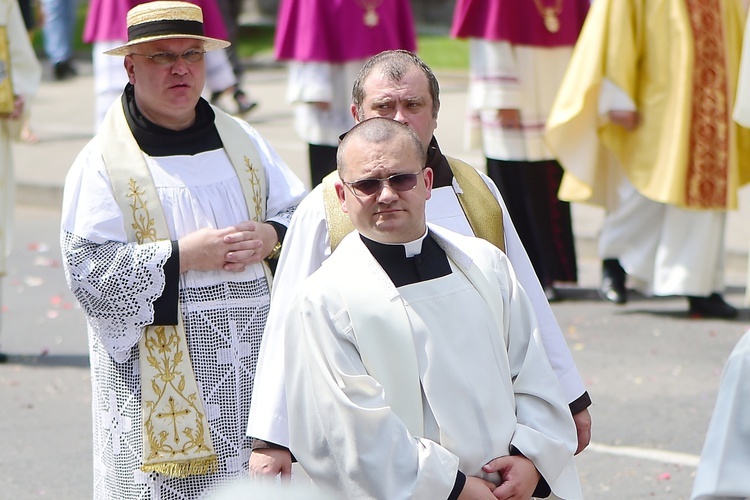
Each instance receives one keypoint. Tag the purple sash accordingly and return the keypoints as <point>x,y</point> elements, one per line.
<point>518,21</point>
<point>335,31</point>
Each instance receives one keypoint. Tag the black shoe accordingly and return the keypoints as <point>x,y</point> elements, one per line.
<point>612,287</point>
<point>3,358</point>
<point>244,104</point>
<point>64,70</point>
<point>712,306</point>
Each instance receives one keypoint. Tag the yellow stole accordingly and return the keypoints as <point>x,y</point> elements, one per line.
<point>7,98</point>
<point>176,437</point>
<point>484,213</point>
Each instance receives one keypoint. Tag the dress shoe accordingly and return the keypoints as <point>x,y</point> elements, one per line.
<point>244,104</point>
<point>3,358</point>
<point>64,70</point>
<point>612,287</point>
<point>712,306</point>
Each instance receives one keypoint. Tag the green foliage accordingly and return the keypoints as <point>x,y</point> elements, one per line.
<point>255,41</point>
<point>441,52</point>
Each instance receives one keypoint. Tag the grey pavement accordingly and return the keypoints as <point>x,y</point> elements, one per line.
<point>652,372</point>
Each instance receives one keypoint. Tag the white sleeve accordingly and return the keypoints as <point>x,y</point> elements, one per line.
<point>310,82</point>
<point>551,335</point>
<point>741,112</point>
<point>612,97</point>
<point>25,71</point>
<point>115,282</point>
<point>545,432</point>
<point>285,189</point>
<point>305,247</point>
<point>725,458</point>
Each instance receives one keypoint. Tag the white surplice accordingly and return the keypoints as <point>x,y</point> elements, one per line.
<point>507,76</point>
<point>392,391</point>
<point>25,73</point>
<point>117,282</point>
<point>725,459</point>
<point>305,248</point>
<point>315,82</point>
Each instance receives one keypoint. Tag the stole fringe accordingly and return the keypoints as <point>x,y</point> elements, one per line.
<point>184,468</point>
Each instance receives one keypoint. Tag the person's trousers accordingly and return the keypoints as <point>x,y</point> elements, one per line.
<point>664,249</point>
<point>59,28</point>
<point>322,162</point>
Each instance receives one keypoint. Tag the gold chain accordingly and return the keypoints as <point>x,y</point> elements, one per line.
<point>550,15</point>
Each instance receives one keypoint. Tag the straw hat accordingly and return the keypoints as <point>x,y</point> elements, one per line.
<point>163,20</point>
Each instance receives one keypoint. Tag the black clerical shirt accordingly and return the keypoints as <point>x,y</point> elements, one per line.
<point>430,264</point>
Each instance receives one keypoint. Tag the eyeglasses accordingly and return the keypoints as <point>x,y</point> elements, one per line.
<point>368,187</point>
<point>191,56</point>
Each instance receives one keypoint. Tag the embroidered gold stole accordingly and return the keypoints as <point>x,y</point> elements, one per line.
<point>7,99</point>
<point>176,437</point>
<point>484,213</point>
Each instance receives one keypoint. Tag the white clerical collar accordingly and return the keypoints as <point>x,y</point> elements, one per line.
<point>411,248</point>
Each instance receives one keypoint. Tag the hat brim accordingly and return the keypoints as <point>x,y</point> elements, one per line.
<point>208,43</point>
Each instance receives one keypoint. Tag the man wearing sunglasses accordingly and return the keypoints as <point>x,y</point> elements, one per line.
<point>170,216</point>
<point>400,86</point>
<point>413,365</point>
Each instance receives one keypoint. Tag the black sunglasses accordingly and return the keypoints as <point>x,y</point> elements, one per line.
<point>398,182</point>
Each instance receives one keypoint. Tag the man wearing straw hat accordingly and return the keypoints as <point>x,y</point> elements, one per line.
<point>171,215</point>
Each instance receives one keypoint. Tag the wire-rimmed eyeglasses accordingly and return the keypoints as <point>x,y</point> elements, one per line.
<point>363,188</point>
<point>190,56</point>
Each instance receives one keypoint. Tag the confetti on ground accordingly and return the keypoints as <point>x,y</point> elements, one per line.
<point>51,314</point>
<point>665,476</point>
<point>37,247</point>
<point>33,281</point>
<point>46,262</point>
<point>56,300</point>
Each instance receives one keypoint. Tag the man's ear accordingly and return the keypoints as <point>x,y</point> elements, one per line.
<point>428,178</point>
<point>341,193</point>
<point>354,113</point>
<point>128,63</point>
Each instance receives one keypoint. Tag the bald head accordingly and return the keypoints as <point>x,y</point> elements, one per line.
<point>378,131</point>
<point>384,183</point>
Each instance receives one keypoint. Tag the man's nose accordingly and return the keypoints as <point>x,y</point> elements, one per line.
<point>386,194</point>
<point>400,116</point>
<point>180,66</point>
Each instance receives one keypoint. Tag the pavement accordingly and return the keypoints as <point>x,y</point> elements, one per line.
<point>651,371</point>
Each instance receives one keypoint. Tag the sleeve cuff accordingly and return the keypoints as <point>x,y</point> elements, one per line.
<point>259,444</point>
<point>542,489</point>
<point>580,404</point>
<point>165,307</point>
<point>458,485</point>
